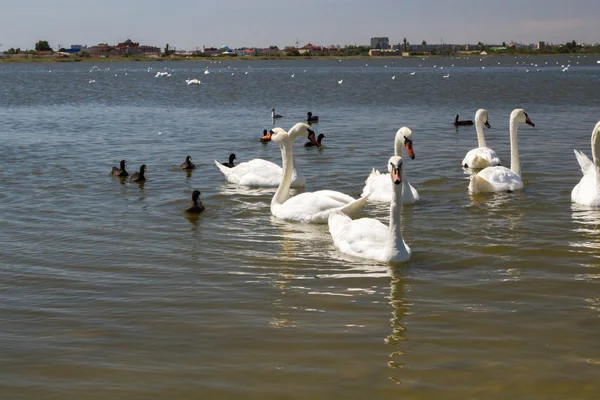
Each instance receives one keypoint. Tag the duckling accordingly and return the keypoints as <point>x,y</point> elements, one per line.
<point>312,118</point>
<point>311,144</point>
<point>230,164</point>
<point>273,115</point>
<point>139,176</point>
<point>196,207</point>
<point>188,164</point>
<point>266,137</point>
<point>120,171</point>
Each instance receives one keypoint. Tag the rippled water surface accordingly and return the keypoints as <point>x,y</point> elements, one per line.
<point>108,290</point>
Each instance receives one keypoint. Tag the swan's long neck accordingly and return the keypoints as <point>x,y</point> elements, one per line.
<point>283,191</point>
<point>515,166</point>
<point>480,136</point>
<point>596,153</point>
<point>398,146</point>
<point>405,185</point>
<point>395,241</point>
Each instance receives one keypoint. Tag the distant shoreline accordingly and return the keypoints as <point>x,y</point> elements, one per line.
<point>11,59</point>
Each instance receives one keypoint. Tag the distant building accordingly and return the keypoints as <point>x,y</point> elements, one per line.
<point>380,43</point>
<point>540,45</point>
<point>385,52</point>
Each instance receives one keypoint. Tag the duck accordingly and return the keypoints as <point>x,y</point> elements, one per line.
<point>139,176</point>
<point>587,191</point>
<point>120,171</point>
<point>499,178</point>
<point>378,184</point>
<point>319,139</point>
<point>266,137</point>
<point>306,207</point>
<point>312,118</point>
<point>188,164</point>
<point>263,173</point>
<point>196,206</point>
<point>230,164</point>
<point>466,122</point>
<point>368,237</point>
<point>273,115</point>
<point>482,156</point>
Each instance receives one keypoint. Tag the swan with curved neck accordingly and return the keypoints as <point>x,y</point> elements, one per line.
<point>368,237</point>
<point>379,185</point>
<point>263,173</point>
<point>587,191</point>
<point>307,207</point>
<point>482,156</point>
<point>498,178</point>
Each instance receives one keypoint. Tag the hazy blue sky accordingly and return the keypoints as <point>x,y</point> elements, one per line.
<point>187,24</point>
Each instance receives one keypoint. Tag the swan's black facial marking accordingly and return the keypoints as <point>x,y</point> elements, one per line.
<point>487,124</point>
<point>396,175</point>
<point>527,120</point>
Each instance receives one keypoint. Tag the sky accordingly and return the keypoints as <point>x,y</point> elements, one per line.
<point>191,24</point>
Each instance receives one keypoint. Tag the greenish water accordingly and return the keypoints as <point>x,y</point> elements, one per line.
<point>108,290</point>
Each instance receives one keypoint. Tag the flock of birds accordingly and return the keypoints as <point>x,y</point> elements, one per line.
<point>368,237</point>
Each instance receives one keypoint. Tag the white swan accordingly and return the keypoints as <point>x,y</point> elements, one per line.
<point>368,237</point>
<point>587,191</point>
<point>379,185</point>
<point>482,156</point>
<point>308,207</point>
<point>263,173</point>
<point>502,179</point>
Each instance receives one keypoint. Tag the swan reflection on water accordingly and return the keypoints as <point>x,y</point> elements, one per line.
<point>397,337</point>
<point>587,224</point>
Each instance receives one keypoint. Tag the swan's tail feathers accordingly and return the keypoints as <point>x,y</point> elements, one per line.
<point>585,163</point>
<point>370,182</point>
<point>228,172</point>
<point>352,209</point>
<point>338,223</point>
<point>480,185</point>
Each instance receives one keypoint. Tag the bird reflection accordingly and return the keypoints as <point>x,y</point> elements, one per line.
<point>397,336</point>
<point>193,219</point>
<point>587,223</point>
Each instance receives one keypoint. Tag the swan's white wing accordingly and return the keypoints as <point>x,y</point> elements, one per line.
<point>587,166</point>
<point>257,173</point>
<point>305,206</point>
<point>338,196</point>
<point>586,191</point>
<point>409,198</point>
<point>314,208</point>
<point>495,179</point>
<point>364,237</point>
<point>379,186</point>
<point>481,157</point>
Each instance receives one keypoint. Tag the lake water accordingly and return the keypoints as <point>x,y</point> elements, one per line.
<point>108,290</point>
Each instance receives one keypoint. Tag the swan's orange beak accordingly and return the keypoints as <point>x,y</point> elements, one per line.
<point>311,137</point>
<point>409,149</point>
<point>396,176</point>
